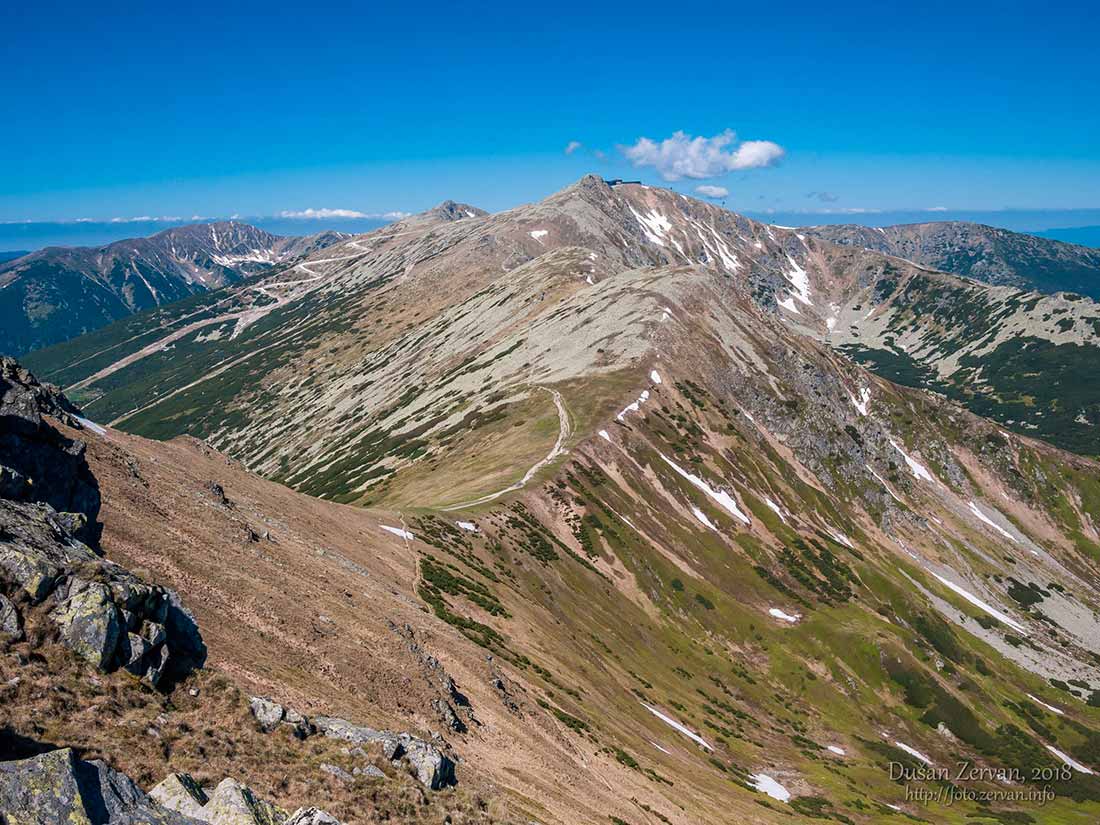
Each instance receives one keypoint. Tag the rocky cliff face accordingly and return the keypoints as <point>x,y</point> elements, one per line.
<point>49,502</point>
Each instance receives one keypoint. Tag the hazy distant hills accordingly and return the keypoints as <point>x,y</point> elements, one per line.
<point>57,293</point>
<point>985,253</point>
<point>8,256</point>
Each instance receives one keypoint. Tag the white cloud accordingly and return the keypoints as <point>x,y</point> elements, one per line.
<point>684,156</point>
<point>572,146</point>
<point>323,213</point>
<point>935,209</point>
<point>146,219</point>
<point>708,191</point>
<point>315,214</point>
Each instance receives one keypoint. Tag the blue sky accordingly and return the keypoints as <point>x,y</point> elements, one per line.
<point>158,109</point>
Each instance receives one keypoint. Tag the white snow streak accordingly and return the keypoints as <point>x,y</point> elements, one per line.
<point>1051,708</point>
<point>91,425</point>
<point>918,469</point>
<point>974,600</point>
<point>468,526</point>
<point>864,400</point>
<point>913,752</point>
<point>1073,763</point>
<point>668,720</point>
<point>723,498</point>
<point>655,377</point>
<point>839,751</point>
<point>699,514</point>
<point>983,517</point>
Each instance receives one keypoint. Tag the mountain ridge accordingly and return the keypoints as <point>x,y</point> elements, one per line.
<point>985,253</point>
<point>56,293</point>
<point>611,462</point>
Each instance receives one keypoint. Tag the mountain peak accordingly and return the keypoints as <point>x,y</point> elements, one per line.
<point>453,211</point>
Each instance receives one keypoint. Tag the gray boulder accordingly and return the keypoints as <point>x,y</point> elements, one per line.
<point>57,788</point>
<point>234,804</point>
<point>180,792</point>
<point>90,624</point>
<point>432,767</point>
<point>269,714</point>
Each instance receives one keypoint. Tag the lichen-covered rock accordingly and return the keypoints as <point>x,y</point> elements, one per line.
<point>90,624</point>
<point>234,804</point>
<point>57,788</point>
<point>103,612</point>
<point>181,793</point>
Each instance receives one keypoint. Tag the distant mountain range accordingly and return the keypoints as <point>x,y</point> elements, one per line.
<point>58,293</point>
<point>8,256</point>
<point>985,253</point>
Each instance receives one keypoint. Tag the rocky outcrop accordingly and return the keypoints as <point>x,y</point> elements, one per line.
<point>230,803</point>
<point>57,787</point>
<point>432,767</point>
<point>100,610</point>
<point>49,502</point>
<point>37,463</point>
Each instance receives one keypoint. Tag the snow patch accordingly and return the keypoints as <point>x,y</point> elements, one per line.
<point>984,518</point>
<point>722,497</point>
<point>468,526</point>
<point>776,613</point>
<point>605,435</point>
<point>397,531</point>
<point>913,752</point>
<point>634,407</point>
<point>1069,760</point>
<point>918,469</point>
<point>1051,708</point>
<point>839,751</point>
<point>658,747</point>
<point>668,720</point>
<point>539,234</point>
<point>775,507</point>
<point>763,782</point>
<point>699,514</point>
<point>655,377</point>
<point>91,425</point>
<point>864,400</point>
<point>800,280</point>
<point>654,225</point>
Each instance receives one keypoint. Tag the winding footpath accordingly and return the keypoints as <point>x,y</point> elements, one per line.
<point>565,429</point>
